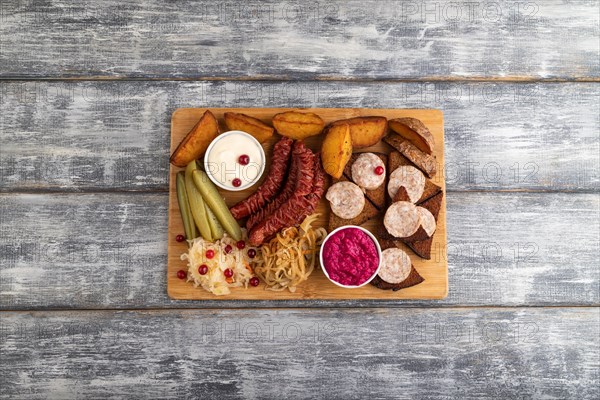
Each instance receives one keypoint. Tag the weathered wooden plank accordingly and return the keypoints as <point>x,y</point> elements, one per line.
<point>115,135</point>
<point>342,39</point>
<point>110,251</point>
<point>342,354</point>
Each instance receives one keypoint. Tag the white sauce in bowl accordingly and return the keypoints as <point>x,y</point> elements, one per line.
<point>222,160</point>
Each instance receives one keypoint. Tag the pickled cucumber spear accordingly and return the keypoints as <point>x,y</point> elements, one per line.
<point>197,203</point>
<point>215,226</point>
<point>184,206</point>
<point>211,196</point>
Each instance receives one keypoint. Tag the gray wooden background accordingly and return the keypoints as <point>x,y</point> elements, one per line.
<point>87,92</point>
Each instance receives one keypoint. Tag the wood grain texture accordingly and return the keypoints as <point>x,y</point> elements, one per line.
<point>342,354</point>
<point>434,271</point>
<point>308,40</point>
<point>73,136</point>
<point>110,251</point>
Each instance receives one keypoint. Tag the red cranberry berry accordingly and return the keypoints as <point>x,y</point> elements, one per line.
<point>210,254</point>
<point>203,269</point>
<point>244,159</point>
<point>254,281</point>
<point>228,249</point>
<point>180,238</point>
<point>251,253</point>
<point>181,274</point>
<point>379,170</point>
<point>228,273</point>
<point>240,244</point>
<point>236,182</point>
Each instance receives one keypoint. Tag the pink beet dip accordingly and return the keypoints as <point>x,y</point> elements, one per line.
<point>350,257</point>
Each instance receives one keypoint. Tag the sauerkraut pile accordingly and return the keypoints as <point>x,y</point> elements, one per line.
<point>215,280</point>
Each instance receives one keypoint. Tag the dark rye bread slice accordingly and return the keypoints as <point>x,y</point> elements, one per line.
<point>376,196</point>
<point>395,160</point>
<point>422,248</point>
<point>419,235</point>
<point>425,162</point>
<point>412,279</point>
<point>368,212</point>
<point>434,205</point>
<point>431,189</point>
<point>402,195</point>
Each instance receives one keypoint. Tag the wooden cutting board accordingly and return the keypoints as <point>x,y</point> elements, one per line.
<point>434,271</point>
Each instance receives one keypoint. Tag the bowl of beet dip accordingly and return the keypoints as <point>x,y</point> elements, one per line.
<point>350,256</point>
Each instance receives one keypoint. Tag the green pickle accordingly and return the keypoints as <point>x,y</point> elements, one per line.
<point>184,206</point>
<point>215,226</point>
<point>197,203</point>
<point>217,204</point>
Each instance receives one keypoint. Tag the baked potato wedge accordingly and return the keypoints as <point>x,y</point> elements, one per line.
<point>255,127</point>
<point>365,131</point>
<point>415,132</point>
<point>336,149</point>
<point>298,125</point>
<point>196,141</point>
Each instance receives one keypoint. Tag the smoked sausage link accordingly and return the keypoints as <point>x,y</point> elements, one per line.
<point>271,185</point>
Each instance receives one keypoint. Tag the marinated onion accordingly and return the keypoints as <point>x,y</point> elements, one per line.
<point>289,258</point>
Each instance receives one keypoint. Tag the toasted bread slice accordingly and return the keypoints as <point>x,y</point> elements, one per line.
<point>422,248</point>
<point>401,195</point>
<point>376,196</point>
<point>368,212</point>
<point>412,279</point>
<point>419,235</point>
<point>434,204</point>
<point>383,235</point>
<point>395,160</point>
<point>425,162</point>
<point>431,189</point>
<point>419,242</point>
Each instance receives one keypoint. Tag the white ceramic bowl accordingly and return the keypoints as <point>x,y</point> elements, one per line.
<point>373,238</point>
<point>210,171</point>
